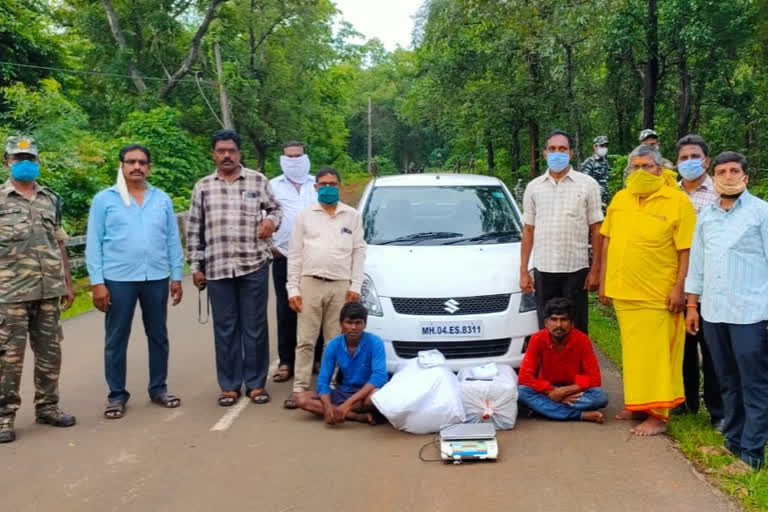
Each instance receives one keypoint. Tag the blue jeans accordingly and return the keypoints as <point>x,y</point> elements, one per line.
<point>740,357</point>
<point>239,310</point>
<point>152,296</point>
<point>591,400</point>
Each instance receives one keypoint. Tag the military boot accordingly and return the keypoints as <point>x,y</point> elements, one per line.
<point>7,434</point>
<point>55,417</point>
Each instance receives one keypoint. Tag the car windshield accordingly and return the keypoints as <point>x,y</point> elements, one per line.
<point>440,215</point>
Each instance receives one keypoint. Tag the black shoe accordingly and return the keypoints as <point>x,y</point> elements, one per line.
<point>718,425</point>
<point>56,418</point>
<point>7,435</point>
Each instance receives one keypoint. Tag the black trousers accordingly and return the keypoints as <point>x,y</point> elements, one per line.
<point>550,285</point>
<point>691,376</point>
<point>286,317</point>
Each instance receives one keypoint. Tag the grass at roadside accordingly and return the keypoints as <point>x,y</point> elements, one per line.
<point>692,433</point>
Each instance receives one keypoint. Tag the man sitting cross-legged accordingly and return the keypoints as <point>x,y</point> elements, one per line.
<point>560,376</point>
<point>362,363</point>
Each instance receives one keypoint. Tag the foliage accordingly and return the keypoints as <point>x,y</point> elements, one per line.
<point>693,434</point>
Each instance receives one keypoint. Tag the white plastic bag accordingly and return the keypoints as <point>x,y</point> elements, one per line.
<point>492,399</point>
<point>421,400</point>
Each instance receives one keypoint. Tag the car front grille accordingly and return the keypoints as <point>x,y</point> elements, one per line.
<point>452,306</point>
<point>454,349</point>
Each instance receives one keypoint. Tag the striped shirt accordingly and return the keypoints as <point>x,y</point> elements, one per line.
<point>704,195</point>
<point>222,233</point>
<point>561,213</point>
<point>729,262</point>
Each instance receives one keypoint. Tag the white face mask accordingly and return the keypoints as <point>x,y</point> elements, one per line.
<point>602,151</point>
<point>295,169</point>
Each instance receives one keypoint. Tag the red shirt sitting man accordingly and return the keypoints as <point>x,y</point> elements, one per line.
<point>560,376</point>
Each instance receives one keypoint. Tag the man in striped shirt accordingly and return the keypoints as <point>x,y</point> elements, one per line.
<point>729,270</point>
<point>231,218</point>
<point>692,164</point>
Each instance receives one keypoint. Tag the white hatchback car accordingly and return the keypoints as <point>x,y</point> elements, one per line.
<point>442,269</point>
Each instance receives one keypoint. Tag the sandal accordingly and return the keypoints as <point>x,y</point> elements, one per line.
<point>259,396</point>
<point>166,400</point>
<point>290,402</point>
<point>283,373</point>
<point>114,410</point>
<point>228,398</point>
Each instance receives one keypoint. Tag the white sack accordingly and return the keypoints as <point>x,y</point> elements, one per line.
<point>421,400</point>
<point>493,400</point>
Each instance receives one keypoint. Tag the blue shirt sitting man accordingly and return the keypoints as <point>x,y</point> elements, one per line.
<point>362,363</point>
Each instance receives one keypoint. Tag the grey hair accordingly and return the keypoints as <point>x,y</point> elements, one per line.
<point>647,151</point>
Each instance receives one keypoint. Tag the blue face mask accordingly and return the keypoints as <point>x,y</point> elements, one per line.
<point>26,170</point>
<point>558,161</point>
<point>691,169</point>
<point>328,195</point>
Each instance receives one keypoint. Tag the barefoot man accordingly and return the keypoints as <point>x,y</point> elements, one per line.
<point>648,231</point>
<point>362,363</point>
<point>559,375</point>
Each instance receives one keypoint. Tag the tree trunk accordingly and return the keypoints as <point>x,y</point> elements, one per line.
<point>533,144</point>
<point>651,76</point>
<point>491,155</point>
<point>572,107</point>
<point>515,149</point>
<point>226,116</point>
<point>194,50</point>
<point>684,108</point>
<point>117,33</point>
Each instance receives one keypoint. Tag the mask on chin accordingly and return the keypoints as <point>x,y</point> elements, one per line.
<point>295,169</point>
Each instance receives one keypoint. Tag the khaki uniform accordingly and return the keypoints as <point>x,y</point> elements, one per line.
<point>31,284</point>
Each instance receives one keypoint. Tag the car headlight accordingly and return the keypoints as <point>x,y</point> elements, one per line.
<point>527,303</point>
<point>369,298</point>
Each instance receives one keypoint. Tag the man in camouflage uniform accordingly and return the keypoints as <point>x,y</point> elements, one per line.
<point>34,282</point>
<point>597,166</point>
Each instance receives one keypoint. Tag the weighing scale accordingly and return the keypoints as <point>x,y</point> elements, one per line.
<point>469,441</point>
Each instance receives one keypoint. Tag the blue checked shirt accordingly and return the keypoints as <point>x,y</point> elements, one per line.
<point>133,243</point>
<point>729,262</point>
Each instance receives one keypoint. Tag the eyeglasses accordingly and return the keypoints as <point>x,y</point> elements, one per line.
<point>134,161</point>
<point>321,185</point>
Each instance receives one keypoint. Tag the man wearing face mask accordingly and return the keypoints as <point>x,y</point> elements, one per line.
<point>692,162</point>
<point>133,248</point>
<point>597,167</point>
<point>34,288</point>
<point>649,137</point>
<point>729,271</point>
<point>648,230</point>
<point>325,271</point>
<point>294,190</point>
<point>561,212</point>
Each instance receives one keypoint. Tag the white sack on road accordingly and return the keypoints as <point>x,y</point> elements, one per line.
<point>493,399</point>
<point>421,400</point>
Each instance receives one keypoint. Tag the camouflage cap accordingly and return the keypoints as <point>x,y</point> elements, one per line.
<point>600,140</point>
<point>647,133</point>
<point>20,144</point>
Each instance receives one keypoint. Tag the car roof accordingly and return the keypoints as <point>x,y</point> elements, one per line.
<point>435,179</point>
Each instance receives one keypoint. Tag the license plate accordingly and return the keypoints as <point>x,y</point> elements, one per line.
<point>459,329</point>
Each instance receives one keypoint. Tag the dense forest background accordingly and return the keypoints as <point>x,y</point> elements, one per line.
<point>486,80</point>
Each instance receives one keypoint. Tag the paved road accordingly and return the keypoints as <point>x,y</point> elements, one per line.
<point>270,459</point>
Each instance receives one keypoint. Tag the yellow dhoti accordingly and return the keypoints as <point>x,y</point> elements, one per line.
<point>652,341</point>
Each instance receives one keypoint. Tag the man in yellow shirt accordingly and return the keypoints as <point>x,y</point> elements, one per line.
<point>648,230</point>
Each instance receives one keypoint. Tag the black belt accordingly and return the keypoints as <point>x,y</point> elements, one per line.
<point>325,279</point>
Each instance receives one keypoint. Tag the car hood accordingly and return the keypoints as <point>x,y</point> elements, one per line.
<point>444,271</point>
